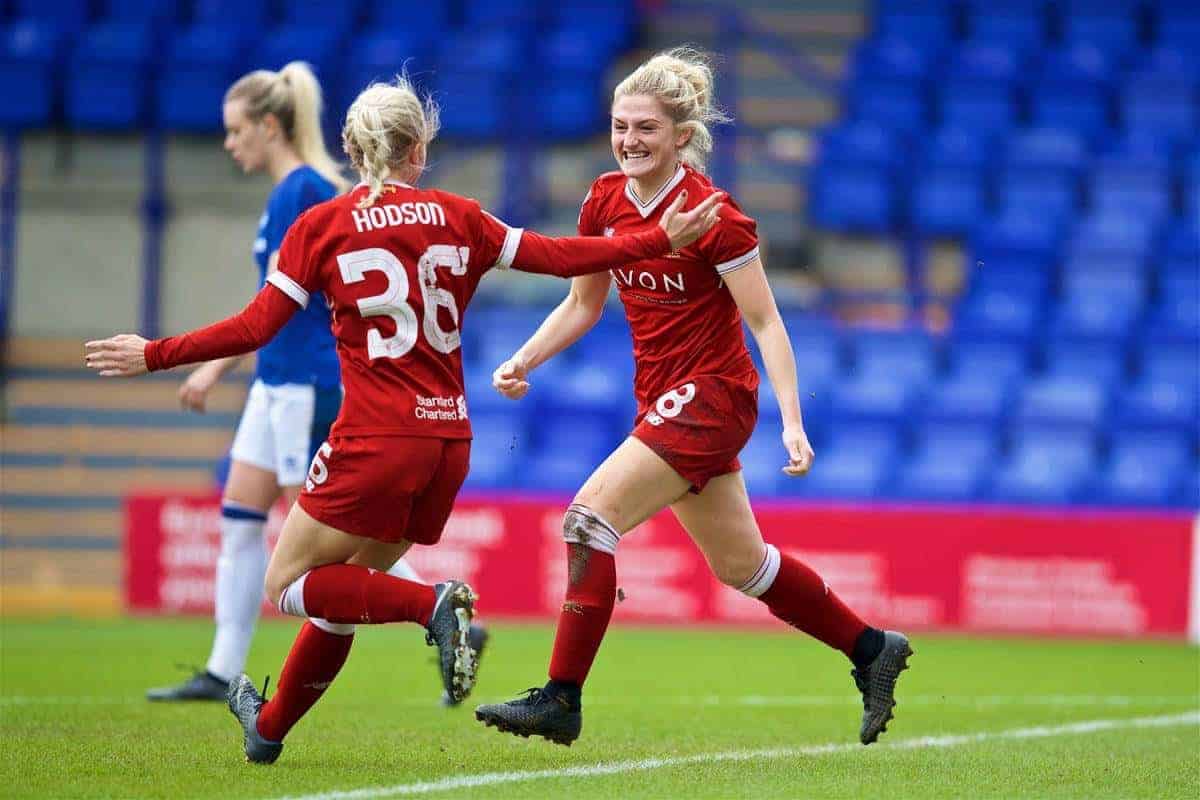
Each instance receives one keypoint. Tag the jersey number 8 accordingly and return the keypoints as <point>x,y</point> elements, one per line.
<point>393,301</point>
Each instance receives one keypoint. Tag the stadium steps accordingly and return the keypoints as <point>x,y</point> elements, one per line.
<point>71,447</point>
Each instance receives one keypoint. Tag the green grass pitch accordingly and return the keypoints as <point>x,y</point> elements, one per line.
<point>668,713</point>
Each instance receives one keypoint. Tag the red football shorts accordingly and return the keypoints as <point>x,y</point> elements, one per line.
<point>700,426</point>
<point>386,487</point>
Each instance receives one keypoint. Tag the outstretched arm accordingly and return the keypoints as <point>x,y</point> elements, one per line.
<point>127,354</point>
<point>573,317</point>
<point>754,299</point>
<point>572,256</point>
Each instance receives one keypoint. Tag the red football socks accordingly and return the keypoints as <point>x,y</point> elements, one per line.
<point>586,610</point>
<point>352,594</point>
<point>313,663</point>
<point>801,599</point>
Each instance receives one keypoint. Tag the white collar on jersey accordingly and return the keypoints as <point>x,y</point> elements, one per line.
<point>388,182</point>
<point>647,208</point>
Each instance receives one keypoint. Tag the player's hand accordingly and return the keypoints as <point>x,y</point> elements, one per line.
<point>122,356</point>
<point>800,452</point>
<point>193,392</point>
<point>509,378</point>
<point>685,227</point>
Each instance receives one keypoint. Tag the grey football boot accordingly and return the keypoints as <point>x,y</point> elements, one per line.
<point>877,682</point>
<point>478,638</point>
<point>201,686</point>
<point>539,713</point>
<point>449,630</point>
<point>245,702</point>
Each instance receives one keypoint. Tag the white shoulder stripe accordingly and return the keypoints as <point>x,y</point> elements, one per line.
<point>737,263</point>
<point>289,287</point>
<point>512,240</point>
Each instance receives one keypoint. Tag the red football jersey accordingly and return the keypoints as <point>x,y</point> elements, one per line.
<point>397,277</point>
<point>683,318</point>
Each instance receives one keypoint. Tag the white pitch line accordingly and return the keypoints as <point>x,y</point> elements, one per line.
<point>751,700</point>
<point>619,767</point>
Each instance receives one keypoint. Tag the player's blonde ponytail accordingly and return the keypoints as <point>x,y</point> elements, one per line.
<point>385,122</point>
<point>294,97</point>
<point>682,82</point>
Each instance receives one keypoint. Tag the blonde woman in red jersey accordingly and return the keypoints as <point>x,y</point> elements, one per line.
<point>398,265</point>
<point>696,389</point>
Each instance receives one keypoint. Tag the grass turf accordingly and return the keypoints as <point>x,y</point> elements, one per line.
<point>74,723</point>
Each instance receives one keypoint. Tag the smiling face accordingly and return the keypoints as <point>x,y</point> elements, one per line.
<point>245,140</point>
<point>645,141</point>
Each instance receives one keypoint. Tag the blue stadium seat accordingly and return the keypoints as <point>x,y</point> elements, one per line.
<point>986,64</point>
<point>998,362</point>
<point>1017,235</point>
<point>511,14</point>
<point>856,463</point>
<point>1097,315</point>
<point>927,22</point>
<point>499,449</point>
<point>1163,105</point>
<point>860,144</point>
<point>159,14</point>
<point>1114,234</point>
<point>67,16</point>
<point>568,450</point>
<point>1043,192</point>
<point>1159,404</point>
<point>380,56</point>
<point>873,398</point>
<point>969,397</point>
<point>998,314</point>
<point>850,198</point>
<point>1057,150</point>
<point>889,58</point>
<point>495,333</point>
<point>982,107</point>
<point>909,355</point>
<point>201,63</point>
<point>953,147</point>
<point>573,106</point>
<point>339,17</point>
<point>762,459</point>
<point>1064,403</point>
<point>1045,466</point>
<point>899,105</point>
<point>1112,26</point>
<point>1177,314</point>
<point>320,47</point>
<point>1133,187</point>
<point>107,82</point>
<point>430,23</point>
<point>1072,360</point>
<point>947,201</point>
<point>1177,361</point>
<point>611,24</point>
<point>247,15</point>
<point>1018,25</point>
<point>949,465</point>
<point>30,62</point>
<point>1115,275</point>
<point>1178,25</point>
<point>1082,108</point>
<point>818,357</point>
<point>602,388</point>
<point>1144,470</point>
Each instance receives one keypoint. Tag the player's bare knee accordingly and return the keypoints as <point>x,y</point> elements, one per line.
<point>276,583</point>
<point>586,531</point>
<point>735,567</point>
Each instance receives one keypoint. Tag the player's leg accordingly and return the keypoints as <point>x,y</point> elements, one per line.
<point>319,567</point>
<point>250,490</point>
<point>721,523</point>
<point>630,486</point>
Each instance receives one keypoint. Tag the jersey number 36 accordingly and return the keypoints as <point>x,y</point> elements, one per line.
<point>393,301</point>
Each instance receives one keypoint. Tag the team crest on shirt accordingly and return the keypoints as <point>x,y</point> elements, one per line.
<point>610,232</point>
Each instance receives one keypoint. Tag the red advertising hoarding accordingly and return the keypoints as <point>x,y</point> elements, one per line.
<point>915,568</point>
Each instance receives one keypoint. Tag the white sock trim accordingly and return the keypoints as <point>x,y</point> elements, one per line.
<point>292,600</point>
<point>764,576</point>
<point>336,628</point>
<point>600,536</point>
